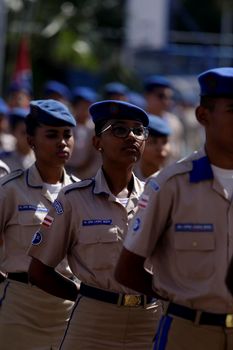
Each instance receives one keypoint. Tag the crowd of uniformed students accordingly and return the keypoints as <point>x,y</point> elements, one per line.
<point>62,235</point>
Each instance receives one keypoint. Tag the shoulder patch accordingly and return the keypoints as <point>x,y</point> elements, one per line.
<point>13,175</point>
<point>80,184</point>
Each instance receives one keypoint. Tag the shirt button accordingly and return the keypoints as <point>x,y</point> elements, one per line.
<point>194,244</point>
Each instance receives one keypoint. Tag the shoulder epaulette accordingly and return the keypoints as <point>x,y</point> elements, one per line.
<point>172,170</point>
<point>13,175</point>
<point>79,185</point>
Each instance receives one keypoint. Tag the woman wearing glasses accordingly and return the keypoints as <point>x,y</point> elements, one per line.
<point>89,223</point>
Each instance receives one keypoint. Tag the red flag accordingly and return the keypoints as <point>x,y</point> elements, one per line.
<point>23,72</point>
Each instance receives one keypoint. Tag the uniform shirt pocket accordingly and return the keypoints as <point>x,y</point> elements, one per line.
<point>98,246</point>
<point>195,254</point>
<point>29,222</point>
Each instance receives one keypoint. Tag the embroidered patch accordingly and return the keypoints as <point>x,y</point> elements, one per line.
<point>189,227</point>
<point>58,207</point>
<point>29,207</point>
<point>48,220</point>
<point>136,224</point>
<point>37,238</point>
<point>154,185</point>
<point>143,201</point>
<point>96,222</point>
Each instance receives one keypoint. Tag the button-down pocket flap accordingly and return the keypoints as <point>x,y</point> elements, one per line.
<point>197,241</point>
<point>97,234</point>
<point>30,218</point>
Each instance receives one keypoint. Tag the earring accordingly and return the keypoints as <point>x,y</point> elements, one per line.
<point>33,147</point>
<point>100,149</point>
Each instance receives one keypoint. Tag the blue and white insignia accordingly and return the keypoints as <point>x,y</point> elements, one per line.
<point>152,183</point>
<point>37,238</point>
<point>190,227</point>
<point>136,224</point>
<point>58,207</point>
<point>94,222</point>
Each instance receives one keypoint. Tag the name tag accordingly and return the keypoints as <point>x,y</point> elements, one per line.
<point>29,207</point>
<point>194,227</point>
<point>96,222</point>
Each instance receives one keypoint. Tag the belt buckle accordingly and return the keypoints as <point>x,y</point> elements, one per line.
<point>131,300</point>
<point>229,321</point>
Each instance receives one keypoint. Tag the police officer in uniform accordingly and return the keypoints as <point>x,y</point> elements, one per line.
<point>90,228</point>
<point>22,156</point>
<point>30,318</point>
<point>157,148</point>
<point>184,225</point>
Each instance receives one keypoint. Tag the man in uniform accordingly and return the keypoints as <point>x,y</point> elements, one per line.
<point>157,148</point>
<point>159,93</point>
<point>184,226</point>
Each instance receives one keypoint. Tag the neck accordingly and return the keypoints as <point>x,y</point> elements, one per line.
<point>147,169</point>
<point>218,158</point>
<point>50,175</point>
<point>119,181</point>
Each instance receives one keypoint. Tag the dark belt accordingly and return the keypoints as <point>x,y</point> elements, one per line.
<point>120,299</point>
<point>200,317</point>
<point>18,276</point>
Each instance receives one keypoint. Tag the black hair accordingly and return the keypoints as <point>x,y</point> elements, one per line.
<point>208,102</point>
<point>31,124</point>
<point>99,126</point>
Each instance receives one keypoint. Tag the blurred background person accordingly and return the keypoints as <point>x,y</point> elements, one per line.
<point>157,148</point>
<point>56,90</point>
<point>19,94</point>
<point>115,91</point>
<point>85,160</point>
<point>7,141</point>
<point>22,156</point>
<point>159,94</point>
<point>137,99</point>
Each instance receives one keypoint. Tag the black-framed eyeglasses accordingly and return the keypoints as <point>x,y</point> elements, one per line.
<point>140,132</point>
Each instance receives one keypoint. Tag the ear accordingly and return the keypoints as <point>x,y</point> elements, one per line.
<point>96,141</point>
<point>202,115</point>
<point>30,141</point>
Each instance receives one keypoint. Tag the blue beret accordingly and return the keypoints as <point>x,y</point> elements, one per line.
<point>217,82</point>
<point>84,92</point>
<point>53,86</point>
<point>136,99</point>
<point>156,81</point>
<point>158,127</point>
<point>18,112</point>
<point>17,86</point>
<point>115,87</point>
<point>51,112</point>
<point>3,107</point>
<point>114,109</point>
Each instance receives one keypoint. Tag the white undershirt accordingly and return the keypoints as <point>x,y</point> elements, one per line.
<point>53,189</point>
<point>123,201</point>
<point>225,177</point>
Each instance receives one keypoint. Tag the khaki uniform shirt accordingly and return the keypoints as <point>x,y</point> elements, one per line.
<point>89,225</point>
<point>24,202</point>
<point>184,225</point>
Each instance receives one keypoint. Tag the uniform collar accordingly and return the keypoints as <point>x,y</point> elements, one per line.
<point>101,186</point>
<point>201,170</point>
<point>34,180</point>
